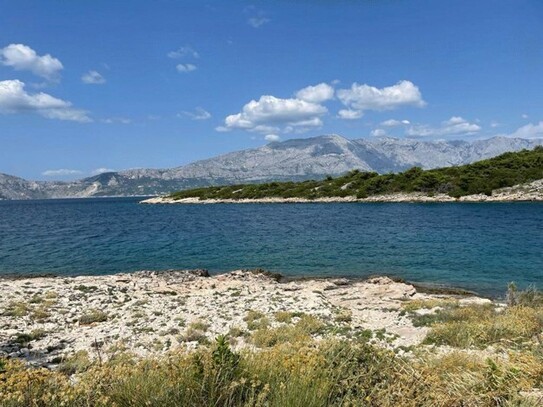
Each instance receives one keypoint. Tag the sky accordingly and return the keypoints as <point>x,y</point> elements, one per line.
<point>94,86</point>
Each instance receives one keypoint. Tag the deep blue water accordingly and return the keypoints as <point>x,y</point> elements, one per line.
<point>475,246</point>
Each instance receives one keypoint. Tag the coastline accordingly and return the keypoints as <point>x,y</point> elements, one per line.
<point>44,320</point>
<point>531,192</point>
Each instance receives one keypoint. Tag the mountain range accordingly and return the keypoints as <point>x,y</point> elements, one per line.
<point>295,160</point>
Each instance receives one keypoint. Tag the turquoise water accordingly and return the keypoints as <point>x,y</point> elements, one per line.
<point>475,246</point>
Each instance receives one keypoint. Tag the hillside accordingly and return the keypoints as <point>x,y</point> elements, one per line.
<point>291,160</point>
<point>482,177</point>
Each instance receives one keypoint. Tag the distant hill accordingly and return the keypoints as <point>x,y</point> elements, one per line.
<point>291,160</point>
<point>506,170</point>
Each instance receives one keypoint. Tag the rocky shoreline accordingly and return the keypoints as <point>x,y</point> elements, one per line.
<point>45,320</point>
<point>532,192</point>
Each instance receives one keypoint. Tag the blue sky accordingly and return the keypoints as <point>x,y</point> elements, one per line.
<point>91,86</point>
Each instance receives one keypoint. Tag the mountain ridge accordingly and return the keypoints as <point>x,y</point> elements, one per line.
<point>290,160</point>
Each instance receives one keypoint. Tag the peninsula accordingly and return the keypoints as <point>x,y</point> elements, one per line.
<point>513,176</point>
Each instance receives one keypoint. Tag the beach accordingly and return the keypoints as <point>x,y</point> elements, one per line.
<point>531,192</point>
<point>44,320</point>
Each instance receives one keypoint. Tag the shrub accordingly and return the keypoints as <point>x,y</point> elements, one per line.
<point>477,326</point>
<point>93,316</point>
<point>335,373</point>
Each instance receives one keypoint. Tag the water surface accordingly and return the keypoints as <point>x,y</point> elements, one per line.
<point>475,246</point>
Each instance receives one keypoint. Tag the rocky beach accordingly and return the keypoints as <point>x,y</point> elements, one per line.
<point>531,192</point>
<point>44,320</point>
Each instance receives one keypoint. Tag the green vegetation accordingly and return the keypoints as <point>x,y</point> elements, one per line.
<point>93,316</point>
<point>301,332</point>
<point>37,308</point>
<point>291,368</point>
<point>516,325</point>
<point>289,375</point>
<point>482,177</point>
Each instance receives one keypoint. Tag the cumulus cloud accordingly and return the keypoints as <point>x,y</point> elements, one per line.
<point>182,52</point>
<point>186,68</point>
<point>272,137</point>
<point>15,99</point>
<point>60,172</point>
<point>455,126</point>
<point>271,115</point>
<point>524,116</point>
<point>316,94</point>
<point>198,114</point>
<point>349,114</point>
<point>528,131</point>
<point>23,58</point>
<point>93,78</point>
<point>101,170</point>
<point>395,123</point>
<point>360,98</point>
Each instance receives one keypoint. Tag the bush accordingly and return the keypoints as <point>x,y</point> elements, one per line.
<point>336,373</point>
<point>93,316</point>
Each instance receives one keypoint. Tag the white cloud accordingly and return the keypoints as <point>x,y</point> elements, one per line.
<point>272,137</point>
<point>182,52</point>
<point>349,114</point>
<point>528,131</point>
<point>185,68</point>
<point>271,115</point>
<point>60,173</point>
<point>23,58</point>
<point>257,22</point>
<point>378,133</point>
<point>101,170</point>
<point>14,99</point>
<point>364,97</point>
<point>199,114</point>
<point>93,78</point>
<point>524,116</point>
<point>495,124</point>
<point>455,126</point>
<point>316,94</point>
<point>113,120</point>
<point>395,123</point>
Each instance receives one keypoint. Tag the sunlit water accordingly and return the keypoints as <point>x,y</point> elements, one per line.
<point>480,247</point>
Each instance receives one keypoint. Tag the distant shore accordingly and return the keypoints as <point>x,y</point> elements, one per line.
<point>532,192</point>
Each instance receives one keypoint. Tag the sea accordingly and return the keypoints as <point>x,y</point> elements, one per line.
<point>479,247</point>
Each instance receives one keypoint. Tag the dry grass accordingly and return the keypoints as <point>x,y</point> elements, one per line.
<point>292,368</point>
<point>414,305</point>
<point>93,316</point>
<point>287,375</point>
<point>480,326</point>
<point>301,332</point>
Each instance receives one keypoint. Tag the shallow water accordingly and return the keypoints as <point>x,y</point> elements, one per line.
<point>480,247</point>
